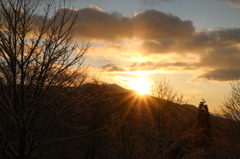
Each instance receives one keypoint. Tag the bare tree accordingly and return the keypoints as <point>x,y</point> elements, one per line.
<point>230,128</point>
<point>163,89</point>
<point>231,105</point>
<point>40,69</point>
<point>165,139</point>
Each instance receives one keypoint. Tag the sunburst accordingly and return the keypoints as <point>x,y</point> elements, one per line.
<point>142,86</point>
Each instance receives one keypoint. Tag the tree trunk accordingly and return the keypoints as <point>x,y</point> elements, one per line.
<point>22,145</point>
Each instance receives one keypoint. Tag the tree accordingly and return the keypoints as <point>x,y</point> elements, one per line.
<point>165,129</point>
<point>230,128</point>
<point>203,129</point>
<point>40,77</point>
<point>231,105</point>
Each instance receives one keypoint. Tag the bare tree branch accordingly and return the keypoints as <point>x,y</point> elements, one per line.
<point>40,65</point>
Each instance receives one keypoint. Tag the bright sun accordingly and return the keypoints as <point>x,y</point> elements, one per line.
<point>142,86</point>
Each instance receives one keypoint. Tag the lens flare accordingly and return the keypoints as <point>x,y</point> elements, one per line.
<point>142,86</point>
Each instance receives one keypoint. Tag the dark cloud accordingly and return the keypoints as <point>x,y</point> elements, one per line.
<point>221,75</point>
<point>112,68</point>
<point>222,57</point>
<point>150,66</point>
<point>151,24</point>
<point>119,47</point>
<point>163,46</point>
<point>199,42</point>
<point>219,52</point>
<point>97,24</point>
<point>215,38</point>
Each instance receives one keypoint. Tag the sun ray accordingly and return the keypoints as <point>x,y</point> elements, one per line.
<point>142,86</point>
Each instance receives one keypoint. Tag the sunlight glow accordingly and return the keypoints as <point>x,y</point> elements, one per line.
<point>142,86</point>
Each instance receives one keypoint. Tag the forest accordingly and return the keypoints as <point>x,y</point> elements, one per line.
<point>50,107</point>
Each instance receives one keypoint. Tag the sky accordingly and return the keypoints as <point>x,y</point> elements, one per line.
<point>195,44</point>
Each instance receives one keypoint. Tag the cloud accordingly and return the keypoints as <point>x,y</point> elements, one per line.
<point>222,57</point>
<point>163,66</point>
<point>163,46</point>
<point>215,55</point>
<point>233,3</point>
<point>200,41</point>
<point>118,47</point>
<point>216,50</point>
<point>112,68</point>
<point>153,24</point>
<point>204,55</point>
<point>221,75</point>
<point>154,34</point>
<point>95,23</point>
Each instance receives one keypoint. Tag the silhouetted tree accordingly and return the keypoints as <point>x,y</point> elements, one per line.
<point>203,136</point>
<point>41,73</point>
<point>230,128</point>
<point>166,120</point>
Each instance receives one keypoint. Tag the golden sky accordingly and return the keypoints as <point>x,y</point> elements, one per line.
<point>200,56</point>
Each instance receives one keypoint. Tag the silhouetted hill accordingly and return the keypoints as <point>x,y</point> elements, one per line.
<point>119,123</point>
<point>190,107</point>
<point>119,94</point>
<point>116,87</point>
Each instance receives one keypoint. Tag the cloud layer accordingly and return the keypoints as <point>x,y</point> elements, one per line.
<point>151,35</point>
<point>218,53</point>
<point>97,24</point>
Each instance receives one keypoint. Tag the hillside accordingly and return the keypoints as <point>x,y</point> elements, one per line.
<point>142,126</point>
<point>110,122</point>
